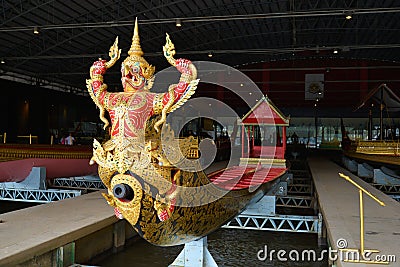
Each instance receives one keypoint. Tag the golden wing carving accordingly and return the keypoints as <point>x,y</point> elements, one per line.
<point>191,89</point>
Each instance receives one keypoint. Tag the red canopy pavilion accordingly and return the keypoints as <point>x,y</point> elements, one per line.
<point>263,126</point>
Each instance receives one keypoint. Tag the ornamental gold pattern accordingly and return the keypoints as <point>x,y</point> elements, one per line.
<point>167,198</point>
<point>131,209</point>
<point>20,151</point>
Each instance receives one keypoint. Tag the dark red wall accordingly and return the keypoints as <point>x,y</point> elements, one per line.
<point>346,81</point>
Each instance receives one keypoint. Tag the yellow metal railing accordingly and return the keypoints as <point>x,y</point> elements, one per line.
<point>362,251</point>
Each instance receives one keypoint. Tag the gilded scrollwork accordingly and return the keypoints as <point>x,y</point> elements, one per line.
<point>129,209</point>
<point>172,200</point>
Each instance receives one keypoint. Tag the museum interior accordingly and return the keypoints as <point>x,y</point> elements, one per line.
<point>343,49</point>
<point>133,130</point>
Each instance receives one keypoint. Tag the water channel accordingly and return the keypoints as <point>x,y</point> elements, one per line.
<point>229,247</point>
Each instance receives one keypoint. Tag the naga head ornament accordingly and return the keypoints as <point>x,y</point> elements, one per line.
<point>136,72</point>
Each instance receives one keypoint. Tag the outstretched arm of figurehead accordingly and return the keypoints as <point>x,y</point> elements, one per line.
<point>163,102</point>
<point>184,66</point>
<point>95,85</point>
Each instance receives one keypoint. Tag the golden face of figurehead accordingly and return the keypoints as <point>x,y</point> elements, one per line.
<point>136,74</point>
<point>132,76</point>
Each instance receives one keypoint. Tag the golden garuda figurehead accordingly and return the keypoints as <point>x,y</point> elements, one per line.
<point>137,73</point>
<point>137,117</point>
<point>138,77</point>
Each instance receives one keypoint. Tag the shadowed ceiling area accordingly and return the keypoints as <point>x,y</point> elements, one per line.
<point>72,34</point>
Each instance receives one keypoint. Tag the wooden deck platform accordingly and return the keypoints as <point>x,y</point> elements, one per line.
<point>29,233</point>
<point>339,203</point>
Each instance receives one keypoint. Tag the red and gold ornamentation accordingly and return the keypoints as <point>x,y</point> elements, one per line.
<point>135,141</point>
<point>155,180</point>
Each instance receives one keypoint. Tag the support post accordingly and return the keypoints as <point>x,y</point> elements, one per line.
<point>195,254</point>
<point>370,124</point>
<point>265,206</point>
<point>119,236</point>
<point>65,255</point>
<point>35,180</point>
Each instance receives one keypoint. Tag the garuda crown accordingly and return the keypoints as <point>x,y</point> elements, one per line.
<point>135,55</point>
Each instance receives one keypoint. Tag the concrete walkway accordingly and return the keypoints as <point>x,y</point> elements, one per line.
<point>339,202</point>
<point>31,232</point>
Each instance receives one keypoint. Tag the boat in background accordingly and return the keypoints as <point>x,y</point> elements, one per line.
<point>373,152</point>
<point>385,150</point>
<point>17,160</point>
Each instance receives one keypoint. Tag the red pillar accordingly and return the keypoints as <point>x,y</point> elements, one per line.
<point>243,140</point>
<point>252,134</point>
<point>283,141</point>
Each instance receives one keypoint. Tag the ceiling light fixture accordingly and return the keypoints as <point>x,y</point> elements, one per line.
<point>178,23</point>
<point>36,30</point>
<point>210,54</point>
<point>348,15</point>
<point>335,51</point>
<point>2,61</point>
